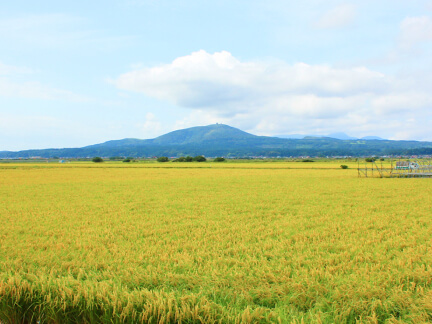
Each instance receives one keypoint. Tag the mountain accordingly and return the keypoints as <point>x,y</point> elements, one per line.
<point>190,136</point>
<point>119,143</point>
<point>224,140</point>
<point>201,134</point>
<point>292,136</point>
<point>341,136</point>
<point>371,138</point>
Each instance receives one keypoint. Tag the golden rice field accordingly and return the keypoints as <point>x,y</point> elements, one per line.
<point>213,243</point>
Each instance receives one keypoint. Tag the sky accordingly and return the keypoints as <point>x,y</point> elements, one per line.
<point>76,73</point>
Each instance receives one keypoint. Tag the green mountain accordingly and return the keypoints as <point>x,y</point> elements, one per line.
<point>202,134</point>
<point>224,140</point>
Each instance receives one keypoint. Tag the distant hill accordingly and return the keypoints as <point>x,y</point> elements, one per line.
<point>341,136</point>
<point>224,140</point>
<point>201,134</point>
<point>292,136</point>
<point>371,138</point>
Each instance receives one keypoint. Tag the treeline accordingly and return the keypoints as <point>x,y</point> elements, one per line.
<point>198,158</point>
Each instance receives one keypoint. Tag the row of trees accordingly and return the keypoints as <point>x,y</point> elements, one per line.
<point>198,158</point>
<point>98,159</point>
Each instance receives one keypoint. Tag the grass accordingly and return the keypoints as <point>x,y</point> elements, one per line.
<point>213,243</point>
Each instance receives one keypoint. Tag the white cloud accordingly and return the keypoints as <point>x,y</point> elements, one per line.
<point>36,90</point>
<point>10,69</point>
<point>12,85</point>
<point>201,117</point>
<point>338,17</point>
<point>203,80</point>
<point>45,29</point>
<point>415,30</point>
<point>56,31</point>
<point>151,126</point>
<point>276,97</point>
<point>406,102</point>
<point>10,122</point>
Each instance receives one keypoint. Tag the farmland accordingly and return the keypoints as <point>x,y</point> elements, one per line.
<point>280,242</point>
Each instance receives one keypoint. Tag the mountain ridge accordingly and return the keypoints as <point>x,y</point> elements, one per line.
<point>199,134</point>
<point>340,136</point>
<point>228,141</point>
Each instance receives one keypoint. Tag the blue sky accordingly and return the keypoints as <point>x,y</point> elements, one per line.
<point>82,72</point>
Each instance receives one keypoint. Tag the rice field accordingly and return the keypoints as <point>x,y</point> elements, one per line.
<point>280,242</point>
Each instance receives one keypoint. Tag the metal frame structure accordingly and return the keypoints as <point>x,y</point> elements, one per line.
<point>401,168</point>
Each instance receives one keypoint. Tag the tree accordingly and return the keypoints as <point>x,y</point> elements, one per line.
<point>97,159</point>
<point>219,159</point>
<point>199,158</point>
<point>343,166</point>
<point>180,159</point>
<point>162,159</point>
<point>127,160</point>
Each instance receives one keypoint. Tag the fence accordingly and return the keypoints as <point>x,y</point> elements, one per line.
<point>401,168</point>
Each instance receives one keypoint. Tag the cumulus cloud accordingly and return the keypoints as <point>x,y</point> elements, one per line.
<point>338,17</point>
<point>206,81</point>
<point>414,30</point>
<point>276,97</point>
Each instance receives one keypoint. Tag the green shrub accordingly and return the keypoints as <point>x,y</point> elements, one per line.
<point>307,160</point>
<point>180,159</point>
<point>189,159</point>
<point>199,158</point>
<point>162,159</point>
<point>343,166</point>
<point>127,160</point>
<point>97,159</point>
<point>219,159</point>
